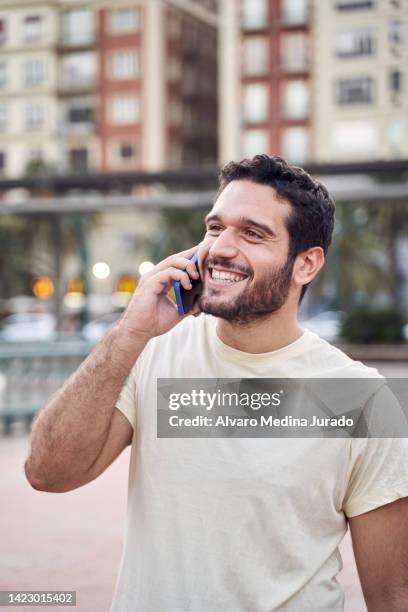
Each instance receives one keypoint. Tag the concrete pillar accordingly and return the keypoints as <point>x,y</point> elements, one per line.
<point>153,86</point>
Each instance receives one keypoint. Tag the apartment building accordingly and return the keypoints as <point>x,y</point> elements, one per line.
<point>276,78</point>
<point>28,77</point>
<point>78,88</point>
<point>120,86</point>
<point>107,85</point>
<point>360,53</point>
<point>314,80</point>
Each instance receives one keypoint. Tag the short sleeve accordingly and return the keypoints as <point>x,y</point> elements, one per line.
<point>378,465</point>
<point>126,401</point>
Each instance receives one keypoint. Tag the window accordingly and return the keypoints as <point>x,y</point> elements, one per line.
<point>395,81</point>
<point>125,109</point>
<point>396,132</point>
<point>124,20</point>
<point>80,114</point>
<point>78,160</point>
<point>295,11</point>
<point>78,26</point>
<point>296,99</point>
<point>34,71</point>
<point>3,74</point>
<point>2,31</point>
<point>127,152</point>
<point>295,144</point>
<point>255,55</point>
<point>78,69</point>
<point>354,43</point>
<point>3,117</point>
<point>295,51</point>
<point>395,31</point>
<point>355,139</point>
<point>174,111</point>
<point>254,14</point>
<point>355,91</point>
<point>354,4</point>
<point>33,26</point>
<point>34,116</point>
<point>255,103</point>
<point>125,64</point>
<point>254,142</point>
<point>173,29</point>
<point>173,69</point>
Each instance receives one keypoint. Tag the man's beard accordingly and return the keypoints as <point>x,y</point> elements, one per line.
<point>256,301</point>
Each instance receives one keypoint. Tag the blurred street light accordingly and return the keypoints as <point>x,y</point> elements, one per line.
<point>125,288</point>
<point>145,266</point>
<point>101,270</point>
<point>43,287</point>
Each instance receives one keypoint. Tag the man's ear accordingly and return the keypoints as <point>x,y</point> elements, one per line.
<point>307,265</point>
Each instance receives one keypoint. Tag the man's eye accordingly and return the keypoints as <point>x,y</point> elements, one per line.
<point>252,234</point>
<point>214,228</point>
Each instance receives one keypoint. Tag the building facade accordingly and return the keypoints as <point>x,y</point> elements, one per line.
<point>360,56</point>
<point>28,80</point>
<point>127,85</point>
<point>314,80</point>
<point>107,86</point>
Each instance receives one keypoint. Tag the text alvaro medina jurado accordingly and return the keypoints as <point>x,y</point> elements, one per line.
<point>253,401</point>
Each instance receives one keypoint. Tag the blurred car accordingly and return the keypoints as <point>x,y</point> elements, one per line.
<point>28,327</point>
<point>95,330</point>
<point>326,324</point>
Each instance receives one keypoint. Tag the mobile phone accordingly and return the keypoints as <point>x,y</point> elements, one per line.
<point>186,298</point>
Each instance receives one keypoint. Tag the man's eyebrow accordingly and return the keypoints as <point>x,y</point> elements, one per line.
<point>245,221</point>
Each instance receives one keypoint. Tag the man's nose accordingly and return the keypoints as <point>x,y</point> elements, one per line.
<point>224,245</point>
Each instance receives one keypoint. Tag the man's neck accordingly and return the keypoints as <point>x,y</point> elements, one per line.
<point>263,336</point>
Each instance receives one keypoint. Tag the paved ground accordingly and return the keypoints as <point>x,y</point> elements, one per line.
<point>73,541</point>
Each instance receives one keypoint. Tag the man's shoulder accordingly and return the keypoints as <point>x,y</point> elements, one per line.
<point>335,362</point>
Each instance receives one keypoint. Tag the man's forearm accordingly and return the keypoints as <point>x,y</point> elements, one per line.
<point>69,432</point>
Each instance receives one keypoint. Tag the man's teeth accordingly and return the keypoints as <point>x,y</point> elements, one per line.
<point>226,276</point>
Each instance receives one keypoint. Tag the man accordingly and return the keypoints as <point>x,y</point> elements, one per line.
<point>233,524</point>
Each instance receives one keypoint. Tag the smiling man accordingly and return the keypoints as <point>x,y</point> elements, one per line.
<point>233,524</point>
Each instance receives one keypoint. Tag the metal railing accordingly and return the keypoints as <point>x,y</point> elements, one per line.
<point>30,373</point>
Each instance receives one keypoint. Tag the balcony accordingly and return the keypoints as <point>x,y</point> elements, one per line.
<point>77,41</point>
<point>346,5</point>
<point>76,84</point>
<point>84,128</point>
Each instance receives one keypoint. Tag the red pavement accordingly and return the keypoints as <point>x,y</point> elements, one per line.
<point>73,541</point>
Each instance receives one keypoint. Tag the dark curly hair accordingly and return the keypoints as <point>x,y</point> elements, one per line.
<point>312,219</point>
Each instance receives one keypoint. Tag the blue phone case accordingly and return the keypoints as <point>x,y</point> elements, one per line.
<point>178,288</point>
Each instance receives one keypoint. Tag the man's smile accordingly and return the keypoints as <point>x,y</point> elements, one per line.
<point>219,276</point>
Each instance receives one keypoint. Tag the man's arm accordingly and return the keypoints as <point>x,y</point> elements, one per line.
<point>79,432</point>
<point>380,542</point>
<point>79,423</point>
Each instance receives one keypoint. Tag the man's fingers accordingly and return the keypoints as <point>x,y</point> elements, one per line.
<point>165,277</point>
<point>179,260</point>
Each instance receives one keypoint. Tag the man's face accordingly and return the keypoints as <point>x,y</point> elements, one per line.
<point>244,255</point>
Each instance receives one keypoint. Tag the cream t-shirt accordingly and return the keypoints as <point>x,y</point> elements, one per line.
<point>242,525</point>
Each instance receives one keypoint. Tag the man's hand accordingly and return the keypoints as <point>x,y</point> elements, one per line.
<point>380,542</point>
<point>151,312</point>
